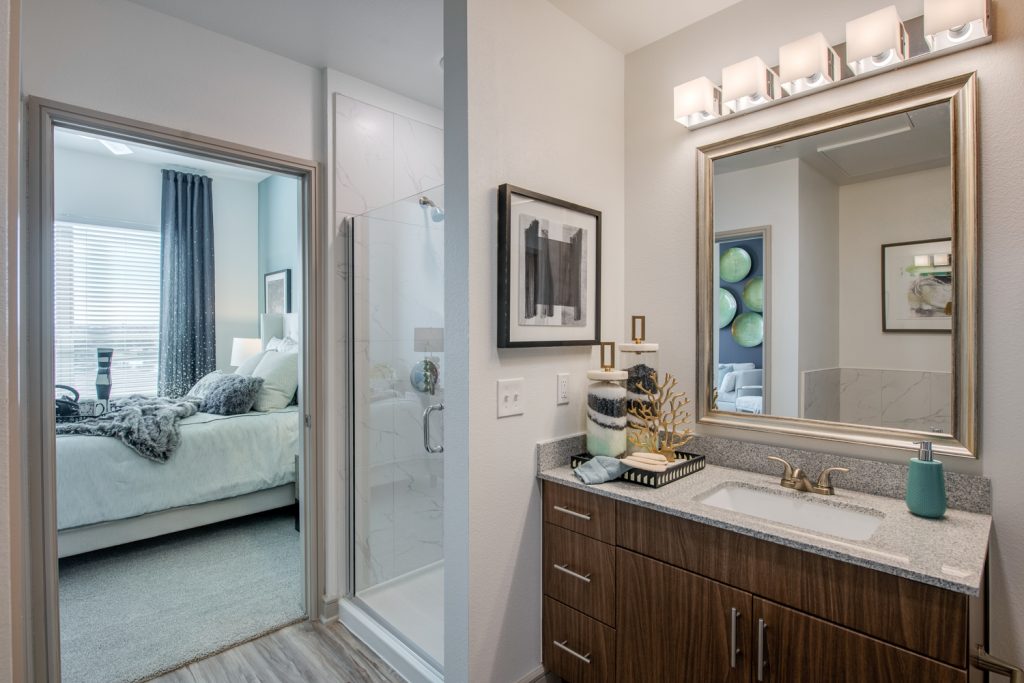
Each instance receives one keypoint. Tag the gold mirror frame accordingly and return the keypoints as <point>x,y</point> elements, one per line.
<point>960,93</point>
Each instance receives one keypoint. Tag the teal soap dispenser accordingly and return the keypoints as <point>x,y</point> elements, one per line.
<point>926,484</point>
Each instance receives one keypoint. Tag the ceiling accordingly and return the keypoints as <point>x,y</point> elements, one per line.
<point>143,154</point>
<point>396,44</point>
<point>632,24</point>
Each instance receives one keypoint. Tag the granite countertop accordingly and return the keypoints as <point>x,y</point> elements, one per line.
<point>948,552</point>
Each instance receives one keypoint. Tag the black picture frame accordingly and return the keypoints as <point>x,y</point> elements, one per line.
<point>284,275</point>
<point>887,326</point>
<point>509,331</point>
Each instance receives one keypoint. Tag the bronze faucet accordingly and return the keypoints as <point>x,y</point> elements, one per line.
<point>796,479</point>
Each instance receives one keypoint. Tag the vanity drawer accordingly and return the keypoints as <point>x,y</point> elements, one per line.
<point>580,572</point>
<point>576,647</point>
<point>579,511</point>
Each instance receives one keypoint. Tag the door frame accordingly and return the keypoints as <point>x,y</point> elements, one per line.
<point>35,362</point>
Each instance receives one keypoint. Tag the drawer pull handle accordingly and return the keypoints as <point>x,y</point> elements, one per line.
<point>578,515</point>
<point>761,627</point>
<point>562,645</point>
<point>734,651</point>
<point>565,568</point>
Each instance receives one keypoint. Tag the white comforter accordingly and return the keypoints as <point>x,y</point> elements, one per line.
<point>100,479</point>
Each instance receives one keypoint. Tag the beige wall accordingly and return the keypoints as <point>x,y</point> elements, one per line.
<point>660,201</point>
<point>545,113</point>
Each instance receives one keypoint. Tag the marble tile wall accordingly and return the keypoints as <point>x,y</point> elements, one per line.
<point>381,157</point>
<point>904,399</point>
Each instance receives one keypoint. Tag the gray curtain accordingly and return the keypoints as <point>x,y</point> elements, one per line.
<point>187,335</point>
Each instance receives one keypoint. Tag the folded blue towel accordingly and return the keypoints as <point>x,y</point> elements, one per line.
<point>600,469</point>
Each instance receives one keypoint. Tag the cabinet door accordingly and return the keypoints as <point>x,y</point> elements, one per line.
<point>799,647</point>
<point>677,626</point>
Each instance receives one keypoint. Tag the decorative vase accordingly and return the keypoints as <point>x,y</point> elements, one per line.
<point>104,355</point>
<point>640,360</point>
<point>606,407</point>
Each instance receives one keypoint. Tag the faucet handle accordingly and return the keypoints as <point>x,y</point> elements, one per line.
<point>825,479</point>
<point>789,472</point>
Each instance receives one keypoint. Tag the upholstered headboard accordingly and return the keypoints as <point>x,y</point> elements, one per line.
<point>279,325</point>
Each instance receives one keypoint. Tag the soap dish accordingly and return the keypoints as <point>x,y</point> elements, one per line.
<point>688,464</point>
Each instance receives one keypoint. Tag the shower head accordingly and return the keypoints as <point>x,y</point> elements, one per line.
<point>436,212</point>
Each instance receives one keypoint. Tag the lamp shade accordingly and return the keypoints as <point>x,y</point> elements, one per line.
<point>807,63</point>
<point>244,348</point>
<point>696,101</point>
<point>948,23</point>
<point>748,83</point>
<point>876,41</point>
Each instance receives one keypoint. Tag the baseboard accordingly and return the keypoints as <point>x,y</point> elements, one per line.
<point>329,609</point>
<point>539,675</point>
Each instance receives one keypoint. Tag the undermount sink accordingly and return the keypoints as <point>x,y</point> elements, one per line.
<point>799,510</point>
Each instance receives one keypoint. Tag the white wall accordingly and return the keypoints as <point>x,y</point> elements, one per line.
<point>116,190</point>
<point>545,112</point>
<point>819,272</point>
<point>121,58</point>
<point>661,198</point>
<point>903,208</point>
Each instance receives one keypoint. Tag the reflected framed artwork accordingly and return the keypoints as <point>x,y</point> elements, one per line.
<point>917,286</point>
<point>277,291</point>
<point>549,271</point>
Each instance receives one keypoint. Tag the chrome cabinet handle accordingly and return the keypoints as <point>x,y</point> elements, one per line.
<point>567,511</point>
<point>565,568</point>
<point>583,658</point>
<point>734,651</point>
<point>426,429</point>
<point>761,627</point>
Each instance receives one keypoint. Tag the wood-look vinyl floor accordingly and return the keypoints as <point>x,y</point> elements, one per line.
<point>307,652</point>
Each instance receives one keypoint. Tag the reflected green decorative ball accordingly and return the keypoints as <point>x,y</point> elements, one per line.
<point>753,294</point>
<point>748,329</point>
<point>726,307</point>
<point>734,264</point>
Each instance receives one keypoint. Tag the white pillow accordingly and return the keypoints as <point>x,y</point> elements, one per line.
<point>288,344</point>
<point>249,365</point>
<point>280,373</point>
<point>728,383</point>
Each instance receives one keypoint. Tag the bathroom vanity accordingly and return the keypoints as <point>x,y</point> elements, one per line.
<point>662,585</point>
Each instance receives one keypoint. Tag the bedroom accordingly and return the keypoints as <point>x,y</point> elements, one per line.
<point>177,300</point>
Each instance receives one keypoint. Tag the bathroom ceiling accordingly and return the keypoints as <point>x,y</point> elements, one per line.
<point>395,44</point>
<point>631,25</point>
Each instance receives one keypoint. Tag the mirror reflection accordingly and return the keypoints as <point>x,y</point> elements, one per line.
<point>834,272</point>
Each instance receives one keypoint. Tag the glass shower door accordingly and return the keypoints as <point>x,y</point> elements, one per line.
<point>398,372</point>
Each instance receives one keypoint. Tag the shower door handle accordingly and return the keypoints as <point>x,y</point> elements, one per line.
<point>426,429</point>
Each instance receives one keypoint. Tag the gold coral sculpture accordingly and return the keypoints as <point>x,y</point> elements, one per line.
<point>660,416</point>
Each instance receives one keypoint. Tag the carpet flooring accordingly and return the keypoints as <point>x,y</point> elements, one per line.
<point>131,612</point>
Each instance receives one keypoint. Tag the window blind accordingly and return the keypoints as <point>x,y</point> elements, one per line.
<point>106,293</point>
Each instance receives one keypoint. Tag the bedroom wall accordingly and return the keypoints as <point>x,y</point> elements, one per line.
<point>661,209</point>
<point>279,235</point>
<point>104,189</point>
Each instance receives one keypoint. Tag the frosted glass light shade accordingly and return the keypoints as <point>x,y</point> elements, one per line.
<point>748,83</point>
<point>244,348</point>
<point>876,40</point>
<point>697,101</point>
<point>948,23</point>
<point>807,63</point>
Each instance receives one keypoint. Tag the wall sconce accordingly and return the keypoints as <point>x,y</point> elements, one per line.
<point>808,63</point>
<point>697,101</point>
<point>948,23</point>
<point>876,40</point>
<point>748,84</point>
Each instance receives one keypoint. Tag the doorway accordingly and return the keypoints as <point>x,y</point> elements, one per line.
<point>193,506</point>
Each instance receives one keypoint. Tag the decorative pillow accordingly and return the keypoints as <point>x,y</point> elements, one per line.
<point>280,372</point>
<point>274,344</point>
<point>286,345</point>
<point>232,394</point>
<point>250,364</point>
<point>203,386</point>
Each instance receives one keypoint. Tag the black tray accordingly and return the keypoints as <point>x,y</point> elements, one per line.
<point>684,467</point>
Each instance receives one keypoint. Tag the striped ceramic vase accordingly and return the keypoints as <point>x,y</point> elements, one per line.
<point>606,415</point>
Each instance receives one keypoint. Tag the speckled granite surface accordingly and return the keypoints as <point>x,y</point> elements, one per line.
<point>949,553</point>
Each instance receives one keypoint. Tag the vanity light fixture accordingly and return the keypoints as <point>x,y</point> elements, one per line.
<point>747,84</point>
<point>697,101</point>
<point>808,63</point>
<point>950,23</point>
<point>876,41</point>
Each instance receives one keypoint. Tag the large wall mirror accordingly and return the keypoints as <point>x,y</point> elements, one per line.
<point>838,274</point>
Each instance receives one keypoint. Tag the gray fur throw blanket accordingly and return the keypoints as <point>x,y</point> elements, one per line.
<point>146,424</point>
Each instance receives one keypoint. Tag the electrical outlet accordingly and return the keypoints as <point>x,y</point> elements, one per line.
<point>562,389</point>
<point>510,397</point>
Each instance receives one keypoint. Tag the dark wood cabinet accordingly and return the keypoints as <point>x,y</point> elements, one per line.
<point>636,595</point>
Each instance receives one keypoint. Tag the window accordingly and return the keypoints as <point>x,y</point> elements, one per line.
<point>106,293</point>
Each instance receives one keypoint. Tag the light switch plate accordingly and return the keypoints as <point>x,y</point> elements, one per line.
<point>562,389</point>
<point>510,397</point>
